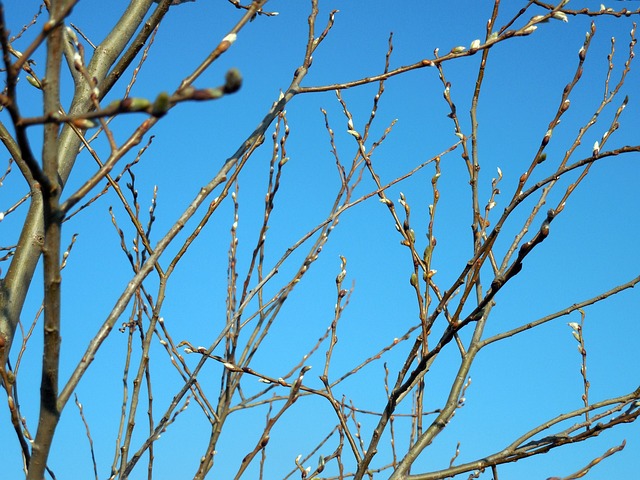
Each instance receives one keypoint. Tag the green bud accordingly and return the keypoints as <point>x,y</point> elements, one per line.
<point>233,81</point>
<point>186,92</point>
<point>160,105</point>
<point>34,82</point>
<point>426,256</point>
<point>136,104</point>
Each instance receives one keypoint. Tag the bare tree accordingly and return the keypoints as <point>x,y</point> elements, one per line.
<point>376,406</point>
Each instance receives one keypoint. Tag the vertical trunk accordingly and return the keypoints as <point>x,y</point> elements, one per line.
<point>52,219</point>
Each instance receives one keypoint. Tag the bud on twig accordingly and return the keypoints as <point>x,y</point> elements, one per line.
<point>34,82</point>
<point>83,123</point>
<point>160,105</point>
<point>560,16</point>
<point>233,81</point>
<point>133,104</point>
<point>206,94</point>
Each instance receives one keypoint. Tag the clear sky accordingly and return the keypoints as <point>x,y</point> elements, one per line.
<point>517,384</point>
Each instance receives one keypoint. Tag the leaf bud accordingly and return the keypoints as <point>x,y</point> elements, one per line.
<point>34,82</point>
<point>582,53</point>
<point>560,16</point>
<point>207,94</point>
<point>233,81</point>
<point>134,104</point>
<point>161,105</point>
<point>83,123</point>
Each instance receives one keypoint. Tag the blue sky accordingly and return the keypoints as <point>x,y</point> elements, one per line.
<point>517,384</point>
